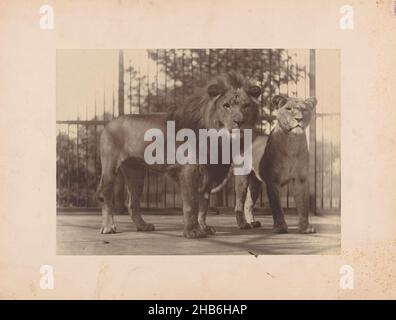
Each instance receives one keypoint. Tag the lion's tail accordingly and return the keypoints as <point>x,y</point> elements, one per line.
<point>225,180</point>
<point>205,181</point>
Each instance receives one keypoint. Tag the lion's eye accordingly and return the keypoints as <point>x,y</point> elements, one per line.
<point>226,105</point>
<point>288,108</point>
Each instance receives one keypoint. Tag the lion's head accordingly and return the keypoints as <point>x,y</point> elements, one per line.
<point>227,101</point>
<point>294,114</point>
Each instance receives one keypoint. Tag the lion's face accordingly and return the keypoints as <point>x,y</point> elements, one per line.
<point>235,108</point>
<point>294,115</point>
<point>227,101</point>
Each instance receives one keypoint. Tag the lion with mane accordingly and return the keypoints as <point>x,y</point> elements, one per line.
<point>227,101</point>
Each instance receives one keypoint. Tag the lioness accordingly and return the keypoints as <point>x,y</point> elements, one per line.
<point>278,159</point>
<point>227,101</point>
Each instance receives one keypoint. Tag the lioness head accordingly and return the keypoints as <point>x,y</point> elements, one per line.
<point>227,101</point>
<point>294,114</point>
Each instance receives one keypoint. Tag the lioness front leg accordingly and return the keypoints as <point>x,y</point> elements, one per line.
<point>203,209</point>
<point>252,194</point>
<point>301,199</point>
<point>189,189</point>
<point>273,191</point>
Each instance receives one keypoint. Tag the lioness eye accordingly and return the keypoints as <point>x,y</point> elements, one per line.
<point>288,108</point>
<point>226,105</point>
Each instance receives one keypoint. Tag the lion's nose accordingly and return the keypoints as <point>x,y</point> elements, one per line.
<point>299,118</point>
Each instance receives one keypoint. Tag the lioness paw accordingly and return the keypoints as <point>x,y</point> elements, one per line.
<point>146,227</point>
<point>209,230</point>
<point>280,229</point>
<point>255,224</point>
<point>194,233</point>
<point>244,225</point>
<point>308,229</point>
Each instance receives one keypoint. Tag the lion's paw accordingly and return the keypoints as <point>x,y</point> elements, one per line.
<point>209,230</point>
<point>194,233</point>
<point>244,225</point>
<point>280,229</point>
<point>307,229</point>
<point>108,229</point>
<point>146,227</point>
<point>255,224</point>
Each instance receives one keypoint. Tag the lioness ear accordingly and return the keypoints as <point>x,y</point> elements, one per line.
<point>278,101</point>
<point>311,102</point>
<point>254,91</point>
<point>215,90</point>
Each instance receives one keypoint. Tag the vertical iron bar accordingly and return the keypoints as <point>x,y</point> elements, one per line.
<point>156,87</point>
<point>323,162</point>
<point>288,185</point>
<point>183,76</point>
<point>296,76</point>
<point>96,144</point>
<point>217,60</point>
<point>78,164</point>
<point>210,63</point>
<point>139,84</point>
<point>175,76</point>
<point>331,172</point>
<point>86,168</point>
<point>287,72</point>
<point>130,87</point>
<point>104,102</point>
<point>148,85</point>
<point>200,64</point>
<point>120,83</point>
<point>312,133</point>
<point>166,75</point>
<point>262,90</point>
<point>165,89</point>
<point>175,102</point>
<point>68,166</point>
<point>192,66</point>
<point>58,166</point>
<point>113,102</point>
<point>156,71</point>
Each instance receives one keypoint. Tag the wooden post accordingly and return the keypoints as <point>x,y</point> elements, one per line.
<point>119,185</point>
<point>312,135</point>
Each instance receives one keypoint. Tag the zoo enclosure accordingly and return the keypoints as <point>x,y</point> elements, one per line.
<point>177,72</point>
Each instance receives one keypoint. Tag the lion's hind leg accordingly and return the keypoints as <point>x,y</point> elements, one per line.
<point>134,175</point>
<point>105,195</point>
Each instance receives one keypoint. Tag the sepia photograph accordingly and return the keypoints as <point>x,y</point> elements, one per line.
<point>112,200</point>
<point>193,156</point>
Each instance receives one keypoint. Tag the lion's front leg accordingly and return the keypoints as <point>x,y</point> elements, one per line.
<point>301,193</point>
<point>203,209</point>
<point>189,189</point>
<point>241,186</point>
